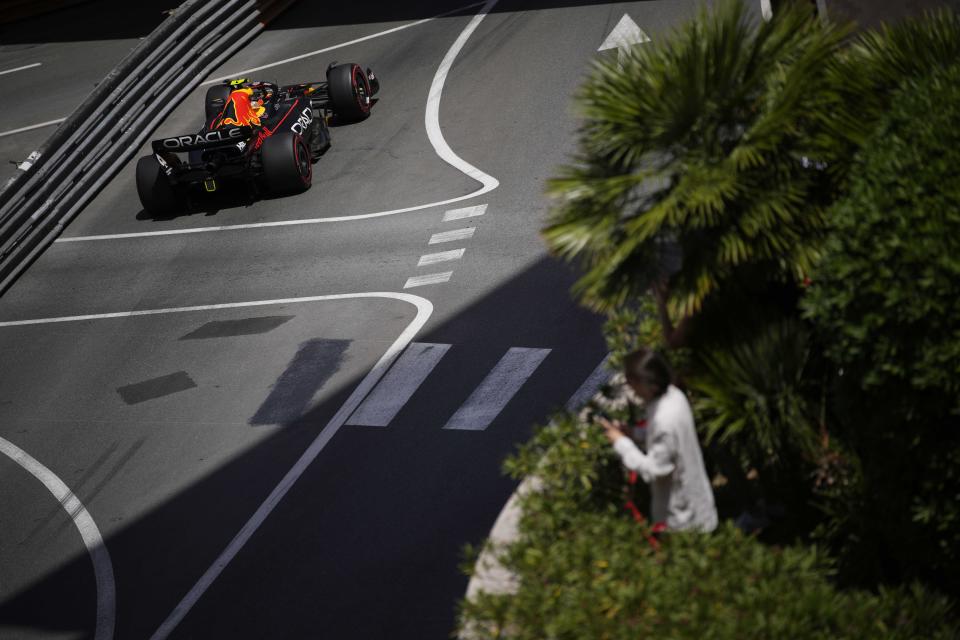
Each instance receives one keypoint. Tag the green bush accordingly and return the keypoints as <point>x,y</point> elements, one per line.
<point>895,519</point>
<point>602,580</point>
<point>630,327</point>
<point>885,301</point>
<point>886,295</point>
<point>869,74</point>
<point>577,476</point>
<point>587,571</point>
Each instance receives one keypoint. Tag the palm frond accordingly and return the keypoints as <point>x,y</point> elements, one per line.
<point>752,393</point>
<point>699,139</point>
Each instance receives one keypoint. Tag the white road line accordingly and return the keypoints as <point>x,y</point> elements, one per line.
<point>590,386</point>
<point>28,66</point>
<point>432,122</point>
<point>205,307</point>
<point>766,11</point>
<point>262,225</point>
<point>31,127</point>
<point>102,566</point>
<point>424,310</point>
<point>450,236</point>
<point>400,383</point>
<point>254,225</point>
<point>466,212</point>
<point>432,116</point>
<point>443,256</point>
<point>433,278</point>
<point>238,74</point>
<point>501,384</point>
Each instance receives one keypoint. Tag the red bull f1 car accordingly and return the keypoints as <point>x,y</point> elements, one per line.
<point>256,134</point>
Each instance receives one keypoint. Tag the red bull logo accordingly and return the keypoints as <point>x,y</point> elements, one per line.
<point>240,110</point>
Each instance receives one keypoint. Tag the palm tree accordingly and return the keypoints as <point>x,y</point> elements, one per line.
<point>706,142</point>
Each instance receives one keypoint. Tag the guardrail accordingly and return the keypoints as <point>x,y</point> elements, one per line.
<point>111,125</point>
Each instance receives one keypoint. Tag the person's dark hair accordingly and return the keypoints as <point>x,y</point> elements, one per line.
<point>646,365</point>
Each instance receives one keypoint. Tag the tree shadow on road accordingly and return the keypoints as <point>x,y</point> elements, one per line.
<point>122,19</point>
<point>367,542</point>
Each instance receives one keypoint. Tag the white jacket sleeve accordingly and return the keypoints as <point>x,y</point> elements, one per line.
<point>657,463</point>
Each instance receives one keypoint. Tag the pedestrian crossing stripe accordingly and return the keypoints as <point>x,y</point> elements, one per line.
<point>398,385</point>
<point>501,384</point>
<point>484,404</point>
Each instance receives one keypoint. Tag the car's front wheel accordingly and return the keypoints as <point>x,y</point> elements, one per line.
<point>157,195</point>
<point>350,92</point>
<point>287,168</point>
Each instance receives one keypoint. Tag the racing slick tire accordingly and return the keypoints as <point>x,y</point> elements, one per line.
<point>157,195</point>
<point>350,92</point>
<point>287,165</point>
<point>215,101</point>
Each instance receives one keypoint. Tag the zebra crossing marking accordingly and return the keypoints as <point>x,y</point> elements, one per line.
<point>497,389</point>
<point>591,385</point>
<point>486,402</point>
<point>446,236</point>
<point>433,278</point>
<point>398,385</point>
<point>465,212</point>
<point>442,256</point>
<point>450,236</point>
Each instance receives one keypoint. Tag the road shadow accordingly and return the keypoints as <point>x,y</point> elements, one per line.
<point>368,541</point>
<point>211,205</point>
<point>84,21</point>
<point>122,19</point>
<point>206,205</point>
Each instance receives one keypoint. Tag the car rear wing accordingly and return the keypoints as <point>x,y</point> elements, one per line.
<point>221,137</point>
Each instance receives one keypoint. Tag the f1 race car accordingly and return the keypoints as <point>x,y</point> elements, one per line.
<point>257,133</point>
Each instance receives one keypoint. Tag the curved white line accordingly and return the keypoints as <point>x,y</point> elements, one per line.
<point>310,54</point>
<point>432,116</point>
<point>424,311</point>
<point>276,223</point>
<point>432,123</point>
<point>102,567</point>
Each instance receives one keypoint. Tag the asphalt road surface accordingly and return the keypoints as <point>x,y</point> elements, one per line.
<point>50,63</point>
<point>253,468</point>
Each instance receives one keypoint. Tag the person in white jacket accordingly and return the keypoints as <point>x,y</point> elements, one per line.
<point>681,496</point>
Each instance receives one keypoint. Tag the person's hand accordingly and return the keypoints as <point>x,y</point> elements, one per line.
<point>612,429</point>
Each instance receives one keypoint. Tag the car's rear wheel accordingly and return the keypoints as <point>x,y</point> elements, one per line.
<point>350,92</point>
<point>215,101</point>
<point>157,195</point>
<point>287,168</point>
